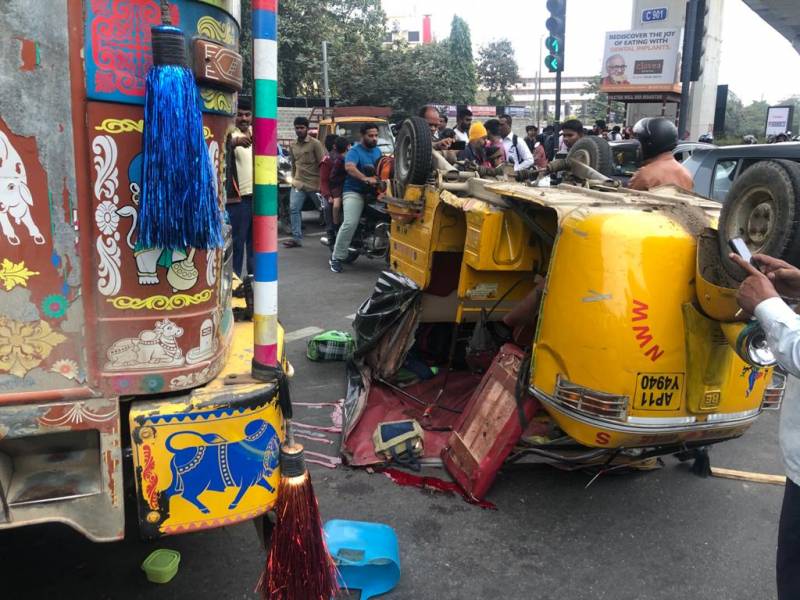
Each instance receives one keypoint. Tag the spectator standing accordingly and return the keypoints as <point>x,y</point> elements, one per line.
<point>336,183</point>
<point>516,150</point>
<point>531,135</point>
<point>615,135</point>
<point>442,123</point>
<point>432,115</point>
<point>463,122</point>
<point>495,149</point>
<point>571,132</point>
<point>362,157</point>
<point>475,150</point>
<point>307,154</point>
<point>760,295</point>
<point>324,185</point>
<point>239,187</point>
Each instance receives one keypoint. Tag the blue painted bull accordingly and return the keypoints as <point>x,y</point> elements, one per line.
<point>218,464</point>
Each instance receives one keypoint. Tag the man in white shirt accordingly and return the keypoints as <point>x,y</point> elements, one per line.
<point>463,122</point>
<point>516,149</point>
<point>760,295</point>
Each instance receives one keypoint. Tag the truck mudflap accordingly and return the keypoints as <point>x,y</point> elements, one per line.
<point>62,462</point>
<point>207,459</point>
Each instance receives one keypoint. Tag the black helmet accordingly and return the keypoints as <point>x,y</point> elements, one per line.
<point>656,136</point>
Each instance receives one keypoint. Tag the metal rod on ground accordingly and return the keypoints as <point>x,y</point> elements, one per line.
<point>325,74</point>
<point>686,65</point>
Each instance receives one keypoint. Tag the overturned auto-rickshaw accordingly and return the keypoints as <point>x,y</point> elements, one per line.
<point>114,356</point>
<point>579,324</point>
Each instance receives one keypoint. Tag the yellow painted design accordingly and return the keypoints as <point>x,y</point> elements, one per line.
<point>216,100</point>
<point>14,274</point>
<point>127,125</point>
<point>218,457</point>
<point>160,302</point>
<point>214,30</point>
<point>24,346</point>
<point>266,170</point>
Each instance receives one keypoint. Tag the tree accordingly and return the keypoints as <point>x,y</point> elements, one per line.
<point>498,71</point>
<point>401,77</point>
<point>352,28</point>
<point>599,106</point>
<point>462,79</point>
<point>734,113</point>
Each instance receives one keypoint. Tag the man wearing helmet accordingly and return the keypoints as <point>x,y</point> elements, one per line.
<point>658,137</point>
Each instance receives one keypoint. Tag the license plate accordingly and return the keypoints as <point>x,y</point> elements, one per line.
<point>658,391</point>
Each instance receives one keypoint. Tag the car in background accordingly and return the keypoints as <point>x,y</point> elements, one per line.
<point>628,157</point>
<point>715,169</point>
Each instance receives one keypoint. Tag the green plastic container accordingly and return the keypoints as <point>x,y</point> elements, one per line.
<point>162,565</point>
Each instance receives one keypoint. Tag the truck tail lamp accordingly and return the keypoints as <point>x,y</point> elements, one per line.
<point>773,394</point>
<point>590,402</point>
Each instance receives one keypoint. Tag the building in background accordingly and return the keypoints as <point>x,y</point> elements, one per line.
<point>702,100</point>
<point>410,28</point>
<point>574,97</point>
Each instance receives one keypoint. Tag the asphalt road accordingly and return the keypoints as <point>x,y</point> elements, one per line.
<point>657,535</point>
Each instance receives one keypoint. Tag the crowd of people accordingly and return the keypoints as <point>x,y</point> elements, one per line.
<point>341,175</point>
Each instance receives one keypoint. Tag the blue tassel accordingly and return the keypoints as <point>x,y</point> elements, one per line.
<point>178,206</point>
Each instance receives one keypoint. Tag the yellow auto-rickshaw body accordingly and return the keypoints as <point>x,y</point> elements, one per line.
<point>624,354</point>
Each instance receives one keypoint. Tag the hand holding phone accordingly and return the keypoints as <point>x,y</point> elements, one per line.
<point>740,248</point>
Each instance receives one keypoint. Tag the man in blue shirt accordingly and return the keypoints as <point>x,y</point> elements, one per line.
<point>361,156</point>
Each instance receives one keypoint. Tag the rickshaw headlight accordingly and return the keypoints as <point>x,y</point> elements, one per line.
<point>752,346</point>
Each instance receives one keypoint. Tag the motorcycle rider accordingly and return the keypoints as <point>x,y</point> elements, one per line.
<point>364,154</point>
<point>658,137</point>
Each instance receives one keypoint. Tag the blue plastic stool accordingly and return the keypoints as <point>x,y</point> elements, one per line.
<point>367,555</point>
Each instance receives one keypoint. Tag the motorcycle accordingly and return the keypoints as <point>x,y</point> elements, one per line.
<point>371,238</point>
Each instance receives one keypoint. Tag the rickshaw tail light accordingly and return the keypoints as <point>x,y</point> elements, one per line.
<point>591,402</point>
<point>773,394</point>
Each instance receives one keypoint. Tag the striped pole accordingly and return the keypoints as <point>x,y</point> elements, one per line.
<point>265,178</point>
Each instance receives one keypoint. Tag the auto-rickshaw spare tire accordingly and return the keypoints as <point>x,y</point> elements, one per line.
<point>413,153</point>
<point>595,152</point>
<point>763,208</point>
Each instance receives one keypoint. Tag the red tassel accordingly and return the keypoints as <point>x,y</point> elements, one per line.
<point>298,565</point>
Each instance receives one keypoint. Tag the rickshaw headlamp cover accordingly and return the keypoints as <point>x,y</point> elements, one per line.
<point>752,346</point>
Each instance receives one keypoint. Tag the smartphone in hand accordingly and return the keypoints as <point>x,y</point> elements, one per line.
<point>740,248</point>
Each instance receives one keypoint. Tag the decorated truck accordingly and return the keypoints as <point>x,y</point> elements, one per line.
<point>119,365</point>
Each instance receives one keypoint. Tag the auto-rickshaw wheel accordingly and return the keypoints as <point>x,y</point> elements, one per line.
<point>594,152</point>
<point>762,208</point>
<point>413,153</point>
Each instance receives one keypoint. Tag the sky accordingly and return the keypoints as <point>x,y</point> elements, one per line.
<point>748,75</point>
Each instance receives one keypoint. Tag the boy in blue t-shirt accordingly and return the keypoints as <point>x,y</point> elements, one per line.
<point>362,155</point>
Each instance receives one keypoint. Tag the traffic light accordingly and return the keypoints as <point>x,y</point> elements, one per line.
<point>555,41</point>
<point>694,38</point>
<point>700,32</point>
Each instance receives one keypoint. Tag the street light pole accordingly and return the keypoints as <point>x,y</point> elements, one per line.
<point>539,85</point>
<point>325,75</point>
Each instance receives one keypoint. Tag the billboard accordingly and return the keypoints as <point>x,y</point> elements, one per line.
<point>641,61</point>
<point>779,119</point>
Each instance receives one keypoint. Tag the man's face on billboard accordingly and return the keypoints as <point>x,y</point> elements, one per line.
<point>615,67</point>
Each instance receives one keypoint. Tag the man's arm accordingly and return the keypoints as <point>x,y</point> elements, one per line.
<point>352,170</point>
<point>524,155</point>
<point>757,295</point>
<point>294,163</point>
<point>782,326</point>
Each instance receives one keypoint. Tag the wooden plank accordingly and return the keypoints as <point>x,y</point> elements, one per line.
<point>748,476</point>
